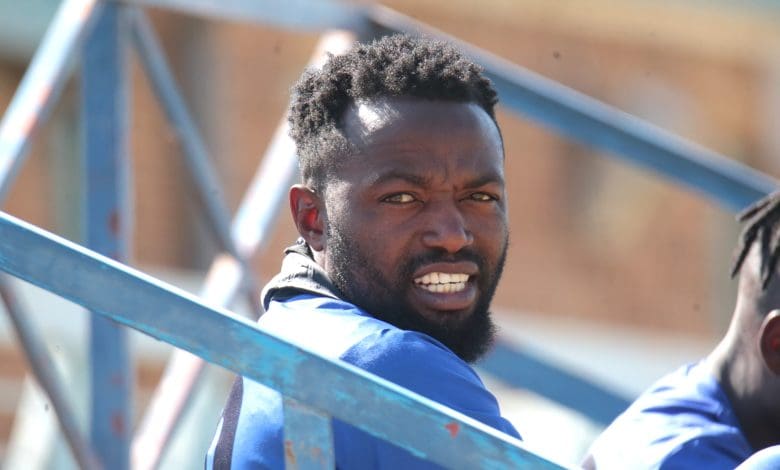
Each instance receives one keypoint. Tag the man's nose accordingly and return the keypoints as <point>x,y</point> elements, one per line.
<point>446,228</point>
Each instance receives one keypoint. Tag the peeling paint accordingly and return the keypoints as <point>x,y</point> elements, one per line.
<point>118,424</point>
<point>289,454</point>
<point>113,223</point>
<point>117,379</point>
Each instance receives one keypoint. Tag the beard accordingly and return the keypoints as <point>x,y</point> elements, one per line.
<point>362,284</point>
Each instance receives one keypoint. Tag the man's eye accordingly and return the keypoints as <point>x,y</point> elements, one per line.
<point>483,197</point>
<point>400,198</point>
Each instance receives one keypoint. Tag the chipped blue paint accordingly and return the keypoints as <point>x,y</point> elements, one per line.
<point>252,223</point>
<point>308,437</point>
<point>42,366</point>
<point>41,85</point>
<point>83,278</point>
<point>333,387</point>
<point>107,225</point>
<point>196,155</point>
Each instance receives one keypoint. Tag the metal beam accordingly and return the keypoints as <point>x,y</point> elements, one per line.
<point>307,15</point>
<point>104,81</point>
<point>308,438</point>
<point>523,370</point>
<point>588,121</point>
<point>208,190</point>
<point>345,392</point>
<point>41,85</point>
<point>249,230</point>
<point>42,366</point>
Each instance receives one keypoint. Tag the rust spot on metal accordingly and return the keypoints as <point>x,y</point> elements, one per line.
<point>118,424</point>
<point>289,454</point>
<point>453,428</point>
<point>116,380</point>
<point>31,119</point>
<point>113,223</point>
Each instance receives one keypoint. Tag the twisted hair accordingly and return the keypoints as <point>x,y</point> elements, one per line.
<point>761,221</point>
<point>393,66</point>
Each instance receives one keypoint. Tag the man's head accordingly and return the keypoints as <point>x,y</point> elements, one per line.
<point>394,66</point>
<point>403,199</point>
<point>758,302</point>
<point>751,349</point>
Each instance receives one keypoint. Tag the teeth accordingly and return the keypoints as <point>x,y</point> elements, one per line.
<point>443,282</point>
<point>444,288</point>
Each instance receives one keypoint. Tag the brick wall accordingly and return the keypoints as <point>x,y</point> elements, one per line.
<point>590,238</point>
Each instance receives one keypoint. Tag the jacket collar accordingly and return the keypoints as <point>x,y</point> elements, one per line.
<point>300,274</point>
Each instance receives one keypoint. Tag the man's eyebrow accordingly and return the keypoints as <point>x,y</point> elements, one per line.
<point>398,174</point>
<point>485,179</point>
<point>423,181</point>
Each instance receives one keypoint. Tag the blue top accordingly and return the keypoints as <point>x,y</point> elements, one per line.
<point>303,308</point>
<point>684,421</point>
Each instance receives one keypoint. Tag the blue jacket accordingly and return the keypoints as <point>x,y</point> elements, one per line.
<point>302,307</point>
<point>684,421</point>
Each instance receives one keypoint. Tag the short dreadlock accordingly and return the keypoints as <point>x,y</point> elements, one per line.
<point>761,221</point>
<point>398,65</point>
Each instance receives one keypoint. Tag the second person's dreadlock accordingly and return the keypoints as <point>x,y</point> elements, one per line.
<point>761,224</point>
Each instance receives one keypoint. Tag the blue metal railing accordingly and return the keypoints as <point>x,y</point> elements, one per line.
<point>42,83</point>
<point>253,220</point>
<point>348,393</point>
<point>108,223</point>
<point>133,299</point>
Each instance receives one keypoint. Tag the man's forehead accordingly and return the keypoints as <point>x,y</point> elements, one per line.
<point>370,115</point>
<point>423,141</point>
<point>365,117</point>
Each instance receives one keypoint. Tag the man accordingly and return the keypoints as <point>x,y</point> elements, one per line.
<point>717,413</point>
<point>403,225</point>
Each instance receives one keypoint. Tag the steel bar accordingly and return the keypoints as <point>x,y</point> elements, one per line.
<point>345,392</point>
<point>42,366</point>
<point>209,191</point>
<point>308,438</point>
<point>41,85</point>
<point>104,80</point>
<point>250,227</point>
<point>523,370</point>
<point>33,429</point>
<point>579,117</point>
<point>319,15</point>
<point>267,192</point>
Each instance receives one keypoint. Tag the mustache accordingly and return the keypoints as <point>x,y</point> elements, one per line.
<point>438,255</point>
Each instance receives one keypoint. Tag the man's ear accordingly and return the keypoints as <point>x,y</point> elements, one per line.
<point>769,336</point>
<point>308,215</point>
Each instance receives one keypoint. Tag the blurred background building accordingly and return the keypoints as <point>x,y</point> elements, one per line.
<point>612,271</point>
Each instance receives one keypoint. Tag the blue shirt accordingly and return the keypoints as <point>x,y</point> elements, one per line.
<point>684,421</point>
<point>250,432</point>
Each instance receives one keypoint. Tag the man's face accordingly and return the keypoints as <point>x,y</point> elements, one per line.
<point>416,228</point>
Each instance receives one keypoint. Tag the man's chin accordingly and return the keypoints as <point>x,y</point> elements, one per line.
<point>449,319</point>
<point>465,332</point>
<point>441,304</point>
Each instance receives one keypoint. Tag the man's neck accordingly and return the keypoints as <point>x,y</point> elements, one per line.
<point>739,377</point>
